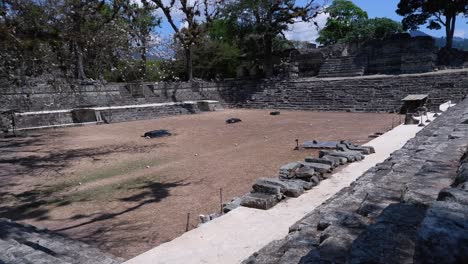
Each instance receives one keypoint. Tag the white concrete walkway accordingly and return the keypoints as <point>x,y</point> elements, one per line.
<point>236,235</point>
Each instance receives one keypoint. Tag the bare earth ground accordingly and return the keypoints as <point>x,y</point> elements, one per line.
<point>108,186</point>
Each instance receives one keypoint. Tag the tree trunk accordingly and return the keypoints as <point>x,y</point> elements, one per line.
<point>143,56</point>
<point>79,68</point>
<point>268,60</point>
<point>450,30</point>
<point>188,62</point>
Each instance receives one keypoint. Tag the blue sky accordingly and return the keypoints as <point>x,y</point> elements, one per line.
<point>386,8</point>
<point>374,8</point>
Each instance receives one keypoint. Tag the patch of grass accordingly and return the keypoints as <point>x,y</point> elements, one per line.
<point>117,170</point>
<point>98,174</point>
<point>106,192</point>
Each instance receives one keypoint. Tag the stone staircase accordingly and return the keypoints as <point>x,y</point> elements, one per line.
<point>346,66</point>
<point>27,244</point>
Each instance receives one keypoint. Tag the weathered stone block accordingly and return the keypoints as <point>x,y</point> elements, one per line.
<point>264,187</point>
<point>332,163</point>
<point>319,167</point>
<point>260,200</point>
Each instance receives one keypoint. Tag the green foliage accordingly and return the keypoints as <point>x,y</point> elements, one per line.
<point>260,22</point>
<point>348,23</point>
<point>343,14</point>
<point>436,13</point>
<point>223,62</point>
<point>74,39</point>
<point>372,29</point>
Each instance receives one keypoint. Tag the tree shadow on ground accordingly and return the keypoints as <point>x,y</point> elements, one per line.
<point>152,192</point>
<point>57,160</point>
<point>50,162</point>
<point>53,160</point>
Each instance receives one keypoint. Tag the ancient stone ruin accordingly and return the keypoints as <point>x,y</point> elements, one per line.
<point>411,208</point>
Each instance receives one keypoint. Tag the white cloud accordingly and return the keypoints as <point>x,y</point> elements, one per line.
<point>306,31</point>
<point>460,33</point>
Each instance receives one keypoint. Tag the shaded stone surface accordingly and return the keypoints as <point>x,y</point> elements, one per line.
<point>27,244</point>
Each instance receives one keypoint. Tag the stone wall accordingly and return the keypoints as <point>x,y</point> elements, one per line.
<point>366,94</point>
<point>412,208</point>
<point>95,115</point>
<point>401,54</point>
<point>44,96</point>
<point>132,114</point>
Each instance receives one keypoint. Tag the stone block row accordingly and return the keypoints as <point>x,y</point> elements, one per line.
<point>296,177</point>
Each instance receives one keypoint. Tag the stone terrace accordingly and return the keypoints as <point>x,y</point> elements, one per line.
<point>396,212</point>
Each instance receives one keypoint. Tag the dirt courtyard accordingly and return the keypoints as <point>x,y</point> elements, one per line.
<point>110,187</point>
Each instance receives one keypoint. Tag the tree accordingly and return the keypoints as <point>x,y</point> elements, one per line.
<point>265,20</point>
<point>142,21</point>
<point>71,39</point>
<point>371,29</point>
<point>193,13</point>
<point>342,15</point>
<point>78,21</point>
<point>437,13</point>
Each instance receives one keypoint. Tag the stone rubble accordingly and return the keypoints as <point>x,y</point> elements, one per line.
<point>296,177</point>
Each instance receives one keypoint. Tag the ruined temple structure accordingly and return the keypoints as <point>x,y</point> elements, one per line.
<point>399,54</point>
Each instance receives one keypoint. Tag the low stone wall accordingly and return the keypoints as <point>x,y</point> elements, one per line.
<point>46,119</point>
<point>142,113</point>
<point>369,94</point>
<point>46,97</point>
<point>396,211</point>
<point>53,118</point>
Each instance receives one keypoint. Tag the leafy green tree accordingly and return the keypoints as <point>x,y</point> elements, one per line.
<point>372,29</point>
<point>437,13</point>
<point>141,21</point>
<point>78,38</point>
<point>193,13</point>
<point>260,22</point>
<point>343,14</point>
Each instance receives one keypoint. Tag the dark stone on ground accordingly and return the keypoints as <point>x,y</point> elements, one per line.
<point>233,120</point>
<point>157,133</point>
